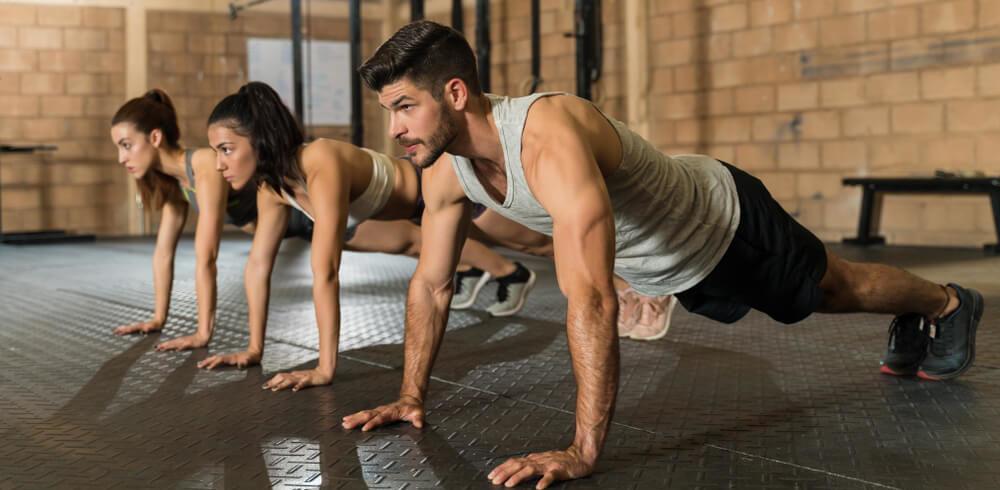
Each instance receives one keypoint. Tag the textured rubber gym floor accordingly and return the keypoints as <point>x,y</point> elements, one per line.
<point>751,405</point>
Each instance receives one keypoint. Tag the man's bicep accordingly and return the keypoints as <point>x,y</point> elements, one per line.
<point>582,218</point>
<point>583,238</point>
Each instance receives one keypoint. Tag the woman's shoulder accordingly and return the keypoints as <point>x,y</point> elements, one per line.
<point>323,152</point>
<point>201,158</point>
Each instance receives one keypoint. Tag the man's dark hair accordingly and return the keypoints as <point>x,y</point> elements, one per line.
<point>427,53</point>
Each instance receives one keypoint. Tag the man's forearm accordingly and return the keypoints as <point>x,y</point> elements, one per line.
<point>593,345</point>
<point>426,318</point>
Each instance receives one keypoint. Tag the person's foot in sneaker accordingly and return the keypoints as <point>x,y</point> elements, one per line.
<point>908,339</point>
<point>629,309</point>
<point>467,286</point>
<point>654,317</point>
<point>512,290</point>
<point>953,338</point>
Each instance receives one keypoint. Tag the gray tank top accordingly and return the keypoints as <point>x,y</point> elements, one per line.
<point>674,216</point>
<point>189,192</point>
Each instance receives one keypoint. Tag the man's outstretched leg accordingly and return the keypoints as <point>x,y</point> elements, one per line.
<point>777,266</point>
<point>934,332</point>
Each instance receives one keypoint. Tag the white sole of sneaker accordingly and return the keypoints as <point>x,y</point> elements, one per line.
<point>485,278</point>
<point>520,304</point>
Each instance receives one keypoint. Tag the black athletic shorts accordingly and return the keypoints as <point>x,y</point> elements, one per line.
<point>299,225</point>
<point>773,264</point>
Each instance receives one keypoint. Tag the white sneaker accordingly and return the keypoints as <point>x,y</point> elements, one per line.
<point>512,291</point>
<point>654,318</point>
<point>467,286</point>
<point>629,309</point>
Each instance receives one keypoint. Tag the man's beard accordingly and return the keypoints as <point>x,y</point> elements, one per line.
<point>438,143</point>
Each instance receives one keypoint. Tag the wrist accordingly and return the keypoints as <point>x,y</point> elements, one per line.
<point>587,450</point>
<point>410,398</point>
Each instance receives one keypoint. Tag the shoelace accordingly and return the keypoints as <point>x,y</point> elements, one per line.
<point>502,292</point>
<point>898,324</point>
<point>941,340</point>
<point>503,288</point>
<point>503,284</point>
<point>628,305</point>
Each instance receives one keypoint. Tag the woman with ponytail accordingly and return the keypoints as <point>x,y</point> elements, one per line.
<point>146,133</point>
<point>360,200</point>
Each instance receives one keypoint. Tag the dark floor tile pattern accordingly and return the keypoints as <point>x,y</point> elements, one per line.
<point>751,405</point>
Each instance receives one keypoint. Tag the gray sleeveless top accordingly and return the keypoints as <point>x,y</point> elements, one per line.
<point>674,216</point>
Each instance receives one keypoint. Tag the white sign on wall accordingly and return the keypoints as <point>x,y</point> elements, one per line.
<point>327,66</point>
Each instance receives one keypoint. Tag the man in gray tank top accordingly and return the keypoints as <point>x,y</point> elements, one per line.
<point>686,225</point>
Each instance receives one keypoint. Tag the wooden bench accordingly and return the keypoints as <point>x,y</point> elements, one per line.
<point>875,187</point>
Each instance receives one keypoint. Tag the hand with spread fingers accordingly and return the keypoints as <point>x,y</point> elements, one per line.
<point>404,410</point>
<point>296,380</point>
<point>149,326</point>
<point>186,342</point>
<point>551,466</point>
<point>240,359</point>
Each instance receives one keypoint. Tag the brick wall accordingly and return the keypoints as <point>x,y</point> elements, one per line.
<point>802,93</point>
<point>61,77</point>
<point>510,55</point>
<point>805,92</point>
<point>200,58</point>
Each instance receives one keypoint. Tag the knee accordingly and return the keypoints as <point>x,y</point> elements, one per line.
<point>543,250</point>
<point>845,281</point>
<point>412,246</point>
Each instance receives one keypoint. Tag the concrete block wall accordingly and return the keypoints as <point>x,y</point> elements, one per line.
<point>200,58</point>
<point>805,92</point>
<point>61,77</point>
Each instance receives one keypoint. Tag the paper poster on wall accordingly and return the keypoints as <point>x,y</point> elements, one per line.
<point>326,89</point>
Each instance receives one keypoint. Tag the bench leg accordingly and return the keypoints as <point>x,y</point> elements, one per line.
<point>994,248</point>
<point>868,221</point>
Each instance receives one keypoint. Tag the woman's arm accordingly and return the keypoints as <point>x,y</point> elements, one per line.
<point>172,220</point>
<point>328,182</point>
<point>272,217</point>
<point>212,193</point>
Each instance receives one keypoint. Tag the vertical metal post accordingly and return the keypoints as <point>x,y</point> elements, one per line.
<point>457,16</point>
<point>416,10</point>
<point>297,60</point>
<point>994,248</point>
<point>582,24</point>
<point>357,121</point>
<point>483,42</point>
<point>536,47</point>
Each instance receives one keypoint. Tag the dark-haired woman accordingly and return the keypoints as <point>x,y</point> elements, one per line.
<point>171,178</point>
<point>360,200</point>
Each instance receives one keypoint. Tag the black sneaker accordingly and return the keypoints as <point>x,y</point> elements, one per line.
<point>953,338</point>
<point>467,286</point>
<point>908,339</point>
<point>512,291</point>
